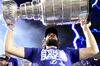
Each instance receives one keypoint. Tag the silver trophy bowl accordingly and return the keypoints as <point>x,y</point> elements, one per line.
<point>50,12</point>
<point>9,11</point>
<point>61,12</point>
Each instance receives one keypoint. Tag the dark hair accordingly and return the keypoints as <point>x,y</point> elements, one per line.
<point>4,57</point>
<point>51,30</point>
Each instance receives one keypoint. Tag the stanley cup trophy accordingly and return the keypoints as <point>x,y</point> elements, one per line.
<point>9,11</point>
<point>49,12</point>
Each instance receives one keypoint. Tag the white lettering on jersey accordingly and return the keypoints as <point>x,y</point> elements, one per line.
<point>63,55</point>
<point>53,62</point>
<point>53,54</point>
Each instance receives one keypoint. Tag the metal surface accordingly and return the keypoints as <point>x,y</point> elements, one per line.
<point>64,11</point>
<point>9,11</point>
<point>50,12</point>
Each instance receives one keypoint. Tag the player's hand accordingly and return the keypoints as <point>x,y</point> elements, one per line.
<point>10,24</point>
<point>84,23</point>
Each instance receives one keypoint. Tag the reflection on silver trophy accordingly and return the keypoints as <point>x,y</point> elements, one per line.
<point>56,12</point>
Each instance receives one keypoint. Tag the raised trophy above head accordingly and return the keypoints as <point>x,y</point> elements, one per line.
<point>49,12</point>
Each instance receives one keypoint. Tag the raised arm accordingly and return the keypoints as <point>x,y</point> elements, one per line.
<point>92,48</point>
<point>10,46</point>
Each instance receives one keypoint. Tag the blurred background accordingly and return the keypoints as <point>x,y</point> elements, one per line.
<point>29,33</point>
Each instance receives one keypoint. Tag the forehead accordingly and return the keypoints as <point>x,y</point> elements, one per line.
<point>51,33</point>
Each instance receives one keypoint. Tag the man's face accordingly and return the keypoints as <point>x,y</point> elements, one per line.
<point>51,36</point>
<point>51,40</point>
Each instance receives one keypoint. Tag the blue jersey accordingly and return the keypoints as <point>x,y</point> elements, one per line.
<point>13,61</point>
<point>51,56</point>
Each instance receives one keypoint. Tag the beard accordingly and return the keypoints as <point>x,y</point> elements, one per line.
<point>52,42</point>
